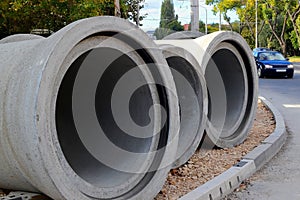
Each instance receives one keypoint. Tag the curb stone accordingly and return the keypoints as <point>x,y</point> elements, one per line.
<point>229,180</point>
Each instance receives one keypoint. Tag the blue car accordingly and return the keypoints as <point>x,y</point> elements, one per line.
<point>273,63</point>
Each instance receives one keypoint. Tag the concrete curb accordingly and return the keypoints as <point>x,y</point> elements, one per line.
<point>225,183</point>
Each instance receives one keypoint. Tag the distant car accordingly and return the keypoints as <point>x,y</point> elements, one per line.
<point>272,63</point>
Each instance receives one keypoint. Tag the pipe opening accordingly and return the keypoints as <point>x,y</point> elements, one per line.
<point>227,91</point>
<point>116,157</point>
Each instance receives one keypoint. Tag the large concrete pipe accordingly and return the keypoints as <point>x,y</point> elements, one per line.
<point>230,73</point>
<point>193,101</point>
<point>90,112</point>
<point>184,35</point>
<point>19,37</point>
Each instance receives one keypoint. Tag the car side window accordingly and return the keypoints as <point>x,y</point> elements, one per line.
<point>255,54</point>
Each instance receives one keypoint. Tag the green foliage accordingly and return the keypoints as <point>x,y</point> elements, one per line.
<point>167,13</point>
<point>224,6</point>
<point>295,40</point>
<point>202,27</point>
<point>168,20</point>
<point>22,16</point>
<point>212,28</point>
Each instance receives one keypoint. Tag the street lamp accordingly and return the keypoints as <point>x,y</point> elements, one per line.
<point>205,18</point>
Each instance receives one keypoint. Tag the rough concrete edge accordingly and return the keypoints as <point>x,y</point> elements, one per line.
<point>229,180</point>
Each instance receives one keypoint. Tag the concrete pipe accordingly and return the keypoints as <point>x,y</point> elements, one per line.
<point>230,73</point>
<point>183,35</point>
<point>193,100</point>
<point>90,112</point>
<point>19,38</point>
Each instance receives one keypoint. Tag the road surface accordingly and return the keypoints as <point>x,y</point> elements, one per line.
<point>280,178</point>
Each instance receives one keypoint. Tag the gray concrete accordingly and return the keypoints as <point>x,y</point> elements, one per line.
<point>229,180</point>
<point>20,37</point>
<point>230,73</point>
<point>183,35</point>
<point>280,178</point>
<point>193,100</point>
<point>64,101</point>
<point>222,184</point>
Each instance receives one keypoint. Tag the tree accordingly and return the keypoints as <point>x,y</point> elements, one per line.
<point>293,10</point>
<point>22,16</point>
<point>247,15</point>
<point>168,20</point>
<point>278,21</point>
<point>201,26</point>
<point>224,6</point>
<point>134,7</point>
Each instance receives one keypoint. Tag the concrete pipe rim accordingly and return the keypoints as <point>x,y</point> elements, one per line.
<point>193,111</point>
<point>244,52</point>
<point>80,31</point>
<point>106,50</point>
<point>20,37</point>
<point>183,35</point>
<point>236,90</point>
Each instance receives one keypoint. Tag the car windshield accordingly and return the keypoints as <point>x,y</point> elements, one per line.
<point>271,56</point>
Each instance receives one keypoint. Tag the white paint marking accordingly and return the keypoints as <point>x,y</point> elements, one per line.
<point>291,105</point>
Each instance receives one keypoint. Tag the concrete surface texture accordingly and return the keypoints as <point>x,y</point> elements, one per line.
<point>20,37</point>
<point>280,178</point>
<point>183,35</point>
<point>193,100</point>
<point>64,127</point>
<point>230,73</point>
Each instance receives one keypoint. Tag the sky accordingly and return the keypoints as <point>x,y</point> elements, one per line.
<point>182,9</point>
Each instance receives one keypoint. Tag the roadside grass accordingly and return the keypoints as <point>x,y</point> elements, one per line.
<point>294,59</point>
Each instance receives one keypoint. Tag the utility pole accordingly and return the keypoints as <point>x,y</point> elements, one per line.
<point>256,24</point>
<point>138,13</point>
<point>117,8</point>
<point>195,15</point>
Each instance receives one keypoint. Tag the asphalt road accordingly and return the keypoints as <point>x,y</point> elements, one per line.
<point>280,178</point>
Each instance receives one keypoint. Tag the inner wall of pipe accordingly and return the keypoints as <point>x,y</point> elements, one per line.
<point>190,97</point>
<point>225,107</point>
<point>85,164</point>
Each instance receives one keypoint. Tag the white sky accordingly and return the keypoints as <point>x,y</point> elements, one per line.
<point>182,9</point>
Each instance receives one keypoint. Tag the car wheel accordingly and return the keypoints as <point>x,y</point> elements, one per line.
<point>259,72</point>
<point>290,75</point>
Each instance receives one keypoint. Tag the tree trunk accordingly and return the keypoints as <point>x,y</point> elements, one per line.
<point>280,38</point>
<point>117,8</point>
